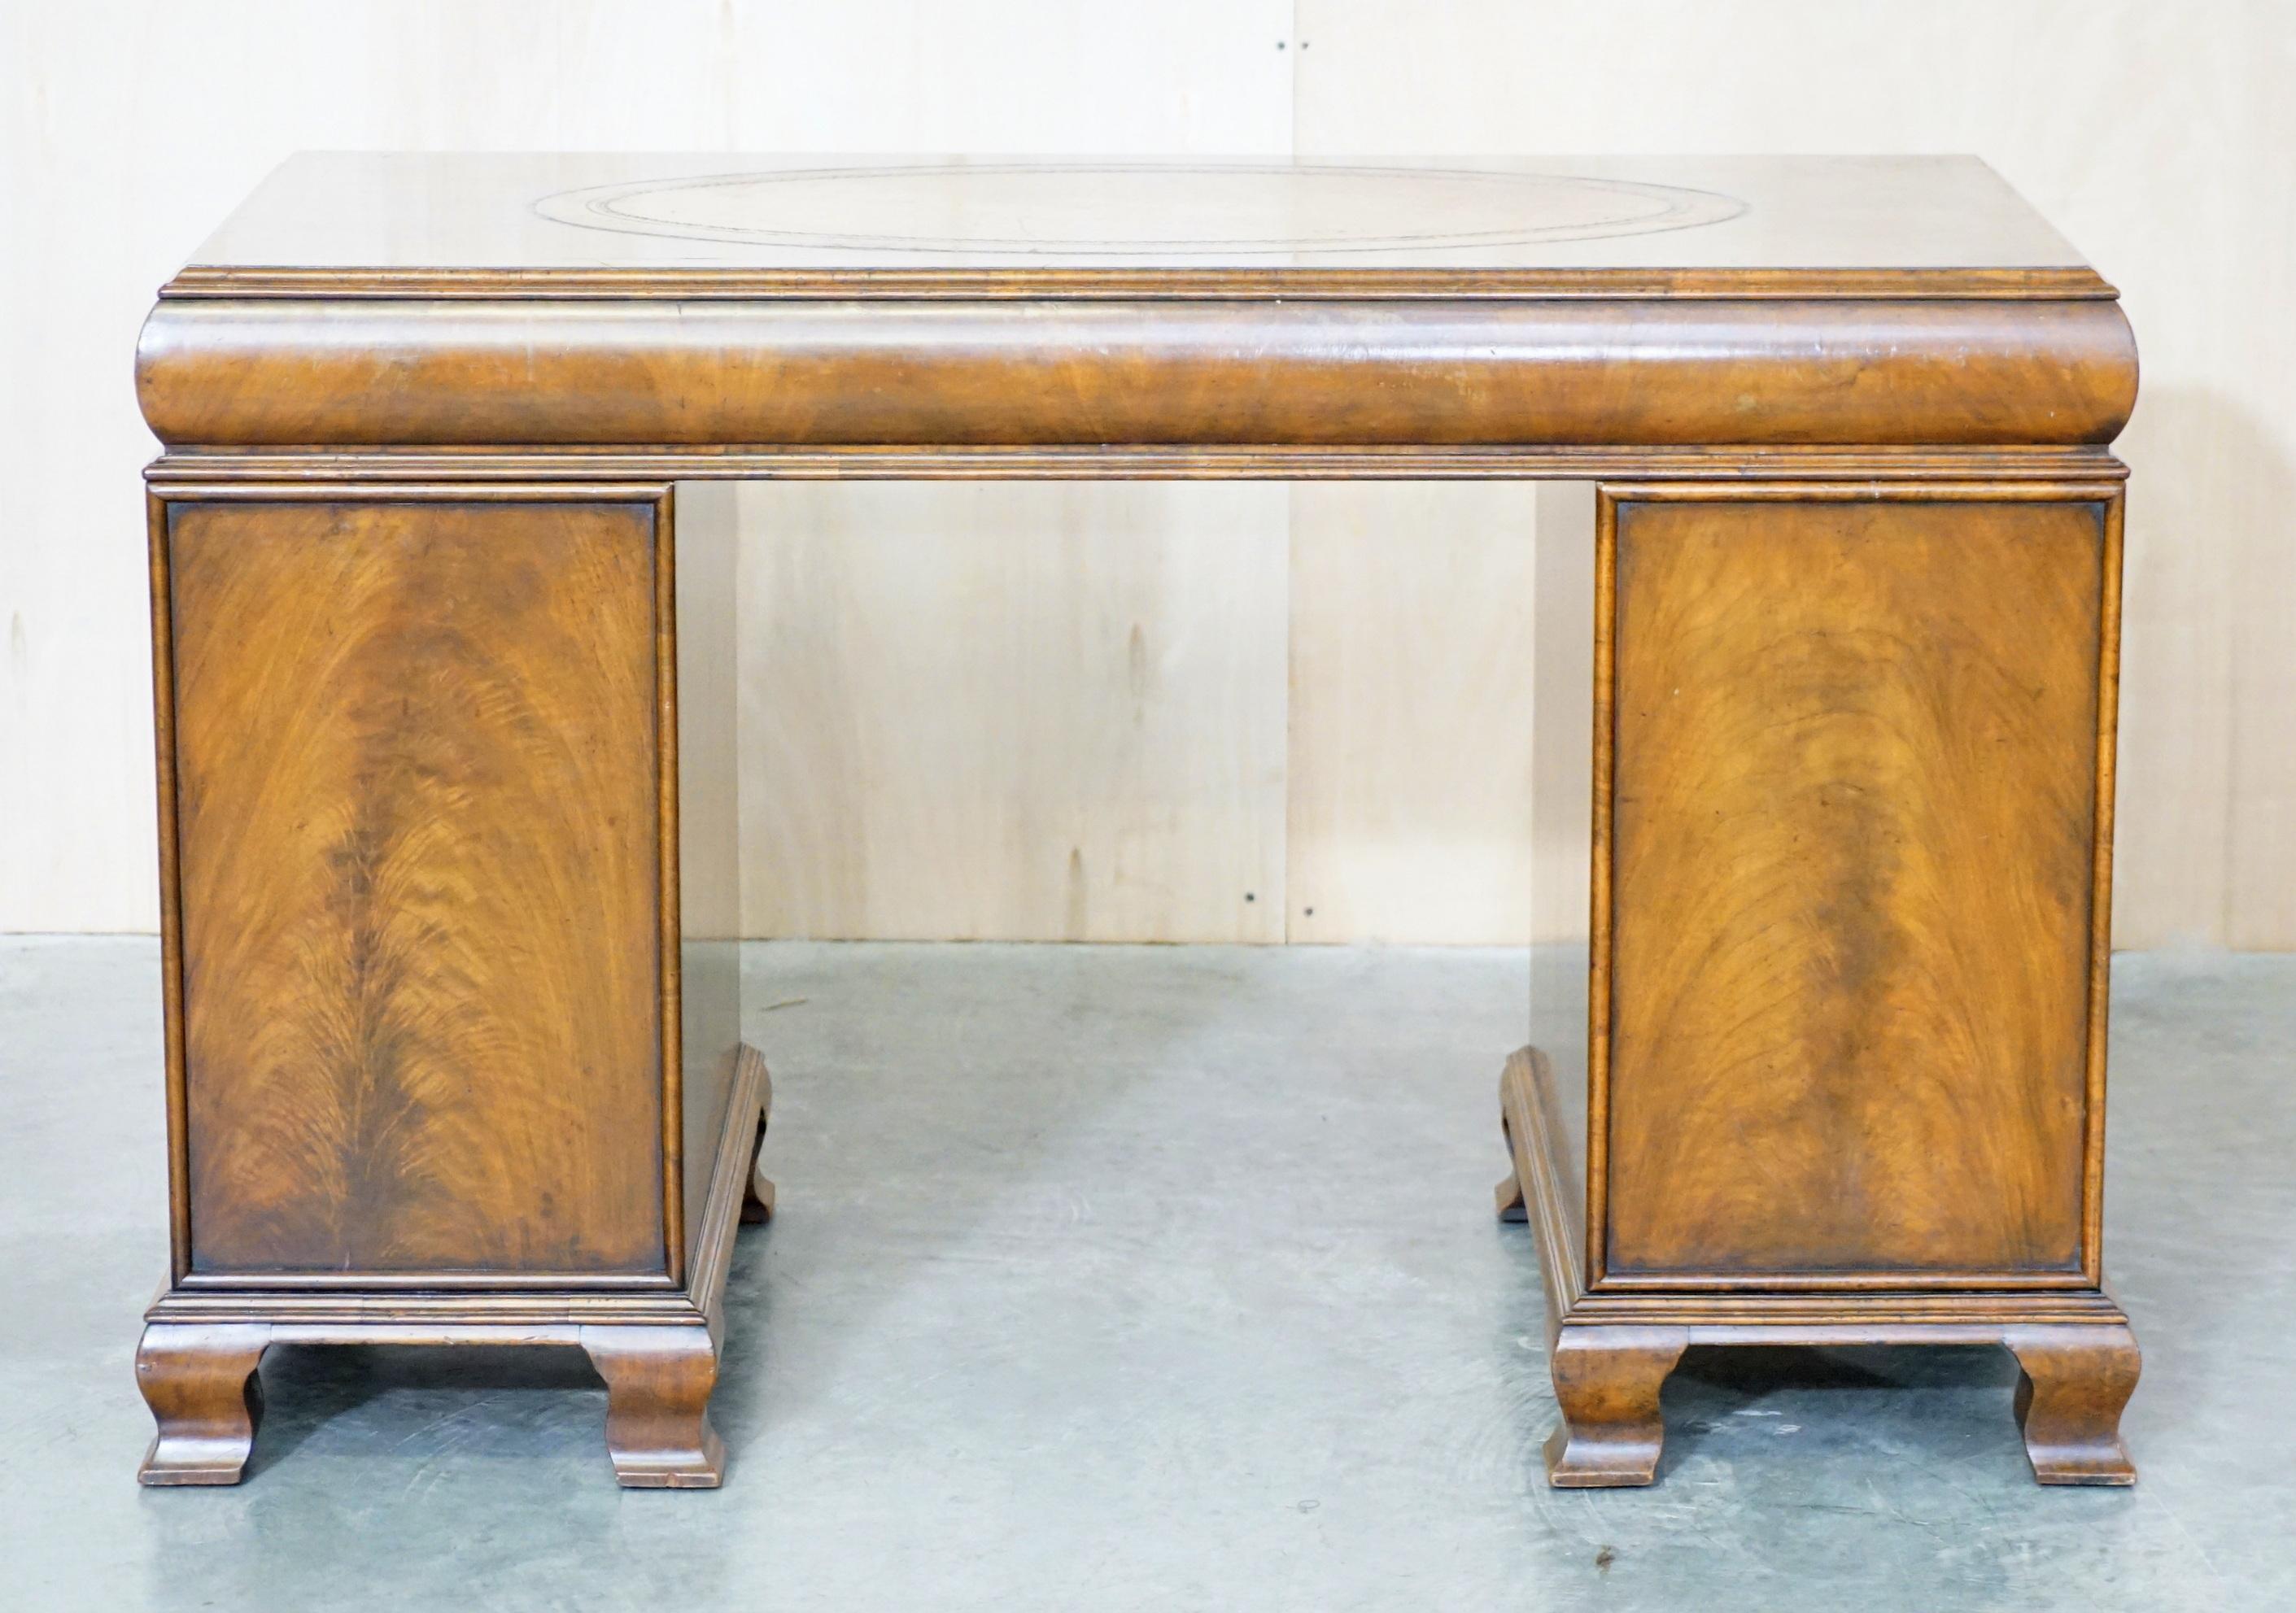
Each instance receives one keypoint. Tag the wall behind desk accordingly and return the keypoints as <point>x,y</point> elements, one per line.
<point>1148,712</point>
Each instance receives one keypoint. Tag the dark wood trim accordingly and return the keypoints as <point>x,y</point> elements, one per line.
<point>1601,875</point>
<point>171,895</point>
<point>1542,1187</point>
<point>1021,282</point>
<point>417,1317</point>
<point>281,1281</point>
<point>2087,1274</point>
<point>355,488</point>
<point>2100,967</point>
<point>1888,1282</point>
<point>216,473</point>
<point>1937,1316</point>
<point>1932,490</point>
<point>160,497</point>
<point>669,930</point>
<point>748,1113</point>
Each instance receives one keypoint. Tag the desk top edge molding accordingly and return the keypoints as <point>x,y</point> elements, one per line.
<point>509,303</point>
<point>308,372</point>
<point>2069,281</point>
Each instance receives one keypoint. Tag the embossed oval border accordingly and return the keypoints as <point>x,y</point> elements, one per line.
<point>590,206</point>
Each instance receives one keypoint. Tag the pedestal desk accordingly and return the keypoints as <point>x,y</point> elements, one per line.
<point>443,630</point>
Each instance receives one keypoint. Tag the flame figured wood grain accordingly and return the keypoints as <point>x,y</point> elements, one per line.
<point>1850,761</point>
<point>1853,854</point>
<point>418,852</point>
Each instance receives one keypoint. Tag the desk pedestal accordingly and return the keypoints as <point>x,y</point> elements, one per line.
<point>1852,769</point>
<point>452,964</point>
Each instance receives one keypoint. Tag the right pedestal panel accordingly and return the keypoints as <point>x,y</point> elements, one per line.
<point>1847,804</point>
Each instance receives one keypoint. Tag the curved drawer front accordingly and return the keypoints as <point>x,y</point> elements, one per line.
<point>287,371</point>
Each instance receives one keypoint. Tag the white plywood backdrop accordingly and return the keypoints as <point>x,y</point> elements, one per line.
<point>1113,713</point>
<point>1013,710</point>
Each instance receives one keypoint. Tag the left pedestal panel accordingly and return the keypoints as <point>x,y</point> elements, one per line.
<point>420,870</point>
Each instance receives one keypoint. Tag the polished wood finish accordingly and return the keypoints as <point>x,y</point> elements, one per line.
<point>440,654</point>
<point>731,226</point>
<point>1606,1383</point>
<point>1611,1351</point>
<point>420,978</point>
<point>657,1384</point>
<point>448,875</point>
<point>492,302</point>
<point>1770,373</point>
<point>1541,1186</point>
<point>200,1383</point>
<point>1851,890</point>
<point>2071,1384</point>
<point>656,1351</point>
<point>1852,853</point>
<point>234,472</point>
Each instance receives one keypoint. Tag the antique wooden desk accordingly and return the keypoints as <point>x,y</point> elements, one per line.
<point>443,634</point>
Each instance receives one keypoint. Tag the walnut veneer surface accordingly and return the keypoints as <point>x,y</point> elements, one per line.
<point>443,619</point>
<point>1870,717</point>
<point>411,1012</point>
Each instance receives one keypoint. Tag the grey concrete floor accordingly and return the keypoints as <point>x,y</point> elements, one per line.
<point>1151,1277</point>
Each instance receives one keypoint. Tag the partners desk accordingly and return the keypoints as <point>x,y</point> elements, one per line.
<point>443,632</point>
